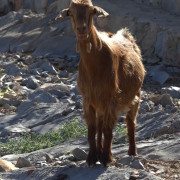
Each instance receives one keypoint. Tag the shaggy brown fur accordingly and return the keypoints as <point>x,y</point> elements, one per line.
<point>111,74</point>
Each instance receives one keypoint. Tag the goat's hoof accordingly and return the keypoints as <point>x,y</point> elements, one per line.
<point>106,160</point>
<point>132,152</point>
<point>91,159</point>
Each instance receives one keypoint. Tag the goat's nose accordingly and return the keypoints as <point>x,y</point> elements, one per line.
<point>81,29</point>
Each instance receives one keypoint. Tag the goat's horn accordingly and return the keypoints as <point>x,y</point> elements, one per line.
<point>100,12</point>
<point>64,13</point>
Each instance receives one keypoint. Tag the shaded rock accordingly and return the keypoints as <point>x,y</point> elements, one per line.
<point>145,107</point>
<point>13,102</point>
<point>59,94</point>
<point>79,154</point>
<point>63,74</point>
<point>31,82</point>
<point>23,162</point>
<point>47,66</point>
<point>172,90</point>
<point>160,76</point>
<point>14,70</point>
<point>164,99</point>
<point>49,158</point>
<point>63,176</point>
<point>126,160</point>
<point>137,164</point>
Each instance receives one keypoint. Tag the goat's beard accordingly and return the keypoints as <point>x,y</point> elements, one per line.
<point>82,37</point>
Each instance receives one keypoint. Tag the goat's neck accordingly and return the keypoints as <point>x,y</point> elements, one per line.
<point>89,45</point>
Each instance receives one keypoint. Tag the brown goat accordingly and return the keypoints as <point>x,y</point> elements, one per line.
<point>110,77</point>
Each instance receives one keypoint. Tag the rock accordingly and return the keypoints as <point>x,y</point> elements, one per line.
<point>145,107</point>
<point>40,164</point>
<point>13,102</point>
<point>47,66</point>
<point>23,162</point>
<point>63,74</point>
<point>45,97</point>
<point>49,158</point>
<point>17,128</point>
<point>126,160</point>
<point>10,96</point>
<point>56,92</point>
<point>79,154</point>
<point>78,104</point>
<point>40,6</point>
<point>164,99</point>
<point>6,166</point>
<point>160,76</point>
<point>14,70</point>
<point>44,74</point>
<point>172,90</point>
<point>31,82</point>
<point>137,164</point>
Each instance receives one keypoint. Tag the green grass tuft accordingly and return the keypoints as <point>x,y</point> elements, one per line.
<point>32,142</point>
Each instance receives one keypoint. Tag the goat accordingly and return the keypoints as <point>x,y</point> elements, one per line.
<point>110,77</point>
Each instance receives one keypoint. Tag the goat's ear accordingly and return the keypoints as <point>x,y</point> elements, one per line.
<point>99,11</point>
<point>64,13</point>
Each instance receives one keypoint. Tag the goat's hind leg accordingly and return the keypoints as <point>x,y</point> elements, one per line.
<point>131,125</point>
<point>90,117</point>
<point>99,136</point>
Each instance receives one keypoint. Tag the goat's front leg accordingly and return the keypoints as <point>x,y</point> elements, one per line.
<point>91,123</point>
<point>106,157</point>
<point>108,125</point>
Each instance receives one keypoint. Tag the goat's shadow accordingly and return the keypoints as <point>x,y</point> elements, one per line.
<point>80,173</point>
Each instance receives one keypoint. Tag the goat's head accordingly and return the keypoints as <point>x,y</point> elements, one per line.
<point>81,13</point>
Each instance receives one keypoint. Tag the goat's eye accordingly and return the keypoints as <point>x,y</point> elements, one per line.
<point>69,13</point>
<point>94,11</point>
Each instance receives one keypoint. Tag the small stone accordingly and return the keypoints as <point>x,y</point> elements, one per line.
<point>79,154</point>
<point>47,66</point>
<point>40,164</point>
<point>63,74</point>
<point>164,99</point>
<point>7,107</point>
<point>18,78</point>
<point>31,82</point>
<point>23,162</point>
<point>49,158</point>
<point>78,104</point>
<point>17,56</point>
<point>172,90</point>
<point>145,107</point>
<point>59,94</point>
<point>44,74</point>
<point>137,164</point>
<point>10,96</point>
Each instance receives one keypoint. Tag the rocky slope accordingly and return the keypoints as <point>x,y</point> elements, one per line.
<point>38,93</point>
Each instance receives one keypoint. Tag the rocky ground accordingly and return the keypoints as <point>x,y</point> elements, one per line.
<point>38,94</point>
